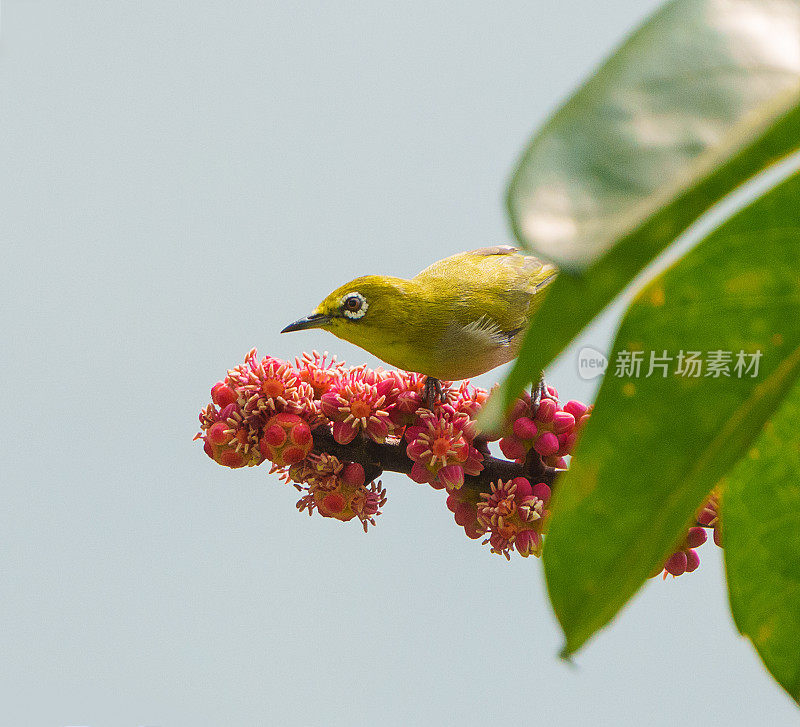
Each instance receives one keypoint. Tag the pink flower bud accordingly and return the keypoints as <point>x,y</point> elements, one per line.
<point>523,487</point>
<point>385,387</point>
<point>470,430</point>
<point>286,439</point>
<point>566,441</point>
<point>707,516</point>
<point>542,492</point>
<point>692,561</point>
<point>546,411</point>
<point>332,503</point>
<point>353,474</point>
<point>217,433</point>
<point>461,449</point>
<point>227,411</point>
<point>330,405</point>
<point>563,421</point>
<point>301,434</point>
<point>519,409</point>
<point>576,408</point>
<point>512,448</point>
<point>676,563</point>
<point>293,455</point>
<point>695,537</point>
<point>547,444</point>
<point>408,401</point>
<point>525,428</point>
<point>222,394</point>
<point>473,464</point>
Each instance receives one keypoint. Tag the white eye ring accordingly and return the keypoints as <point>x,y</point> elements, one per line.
<point>354,315</point>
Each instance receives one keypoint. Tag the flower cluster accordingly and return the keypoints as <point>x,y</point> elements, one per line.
<point>240,427</point>
<point>336,489</point>
<point>286,439</point>
<point>685,558</point>
<point>267,409</point>
<point>324,427</point>
<point>545,427</point>
<point>708,517</point>
<point>271,410</point>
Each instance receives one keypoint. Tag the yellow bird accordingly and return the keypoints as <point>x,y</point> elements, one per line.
<point>458,318</point>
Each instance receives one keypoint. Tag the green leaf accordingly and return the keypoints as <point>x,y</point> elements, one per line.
<point>697,82</point>
<point>656,445</point>
<point>699,99</point>
<point>761,515</point>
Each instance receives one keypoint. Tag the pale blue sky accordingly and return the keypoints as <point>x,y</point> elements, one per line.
<point>181,180</point>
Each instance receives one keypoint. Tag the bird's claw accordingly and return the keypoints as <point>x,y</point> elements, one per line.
<point>433,392</point>
<point>541,392</point>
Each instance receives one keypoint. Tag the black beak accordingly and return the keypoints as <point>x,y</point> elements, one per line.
<point>315,320</point>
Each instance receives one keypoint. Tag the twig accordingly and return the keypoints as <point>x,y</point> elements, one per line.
<point>377,458</point>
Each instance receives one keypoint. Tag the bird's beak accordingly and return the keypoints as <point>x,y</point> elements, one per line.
<point>315,320</point>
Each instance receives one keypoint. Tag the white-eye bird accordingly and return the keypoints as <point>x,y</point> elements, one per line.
<point>458,318</point>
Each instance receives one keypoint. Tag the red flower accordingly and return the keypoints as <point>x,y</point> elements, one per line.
<point>271,386</point>
<point>337,490</point>
<point>356,404</point>
<point>514,514</point>
<point>229,439</point>
<point>439,445</point>
<point>319,372</point>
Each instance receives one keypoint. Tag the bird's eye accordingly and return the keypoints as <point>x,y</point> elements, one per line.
<point>354,305</point>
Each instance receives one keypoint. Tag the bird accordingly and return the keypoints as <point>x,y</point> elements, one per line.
<point>460,317</point>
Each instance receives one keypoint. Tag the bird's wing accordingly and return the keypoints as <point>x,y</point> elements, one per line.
<point>488,332</point>
<point>501,269</point>
<point>498,260</point>
<point>446,266</point>
<point>493,286</point>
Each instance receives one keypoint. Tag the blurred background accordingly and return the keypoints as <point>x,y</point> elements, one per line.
<point>181,180</point>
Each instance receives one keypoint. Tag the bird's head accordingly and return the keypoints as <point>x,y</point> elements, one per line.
<point>361,311</point>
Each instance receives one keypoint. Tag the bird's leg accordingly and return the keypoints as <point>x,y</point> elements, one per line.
<point>540,391</point>
<point>432,392</point>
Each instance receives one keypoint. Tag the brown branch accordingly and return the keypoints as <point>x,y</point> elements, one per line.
<point>378,458</point>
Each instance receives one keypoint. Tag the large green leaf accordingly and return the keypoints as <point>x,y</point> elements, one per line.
<point>656,445</point>
<point>703,96</point>
<point>697,82</point>
<point>761,515</point>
